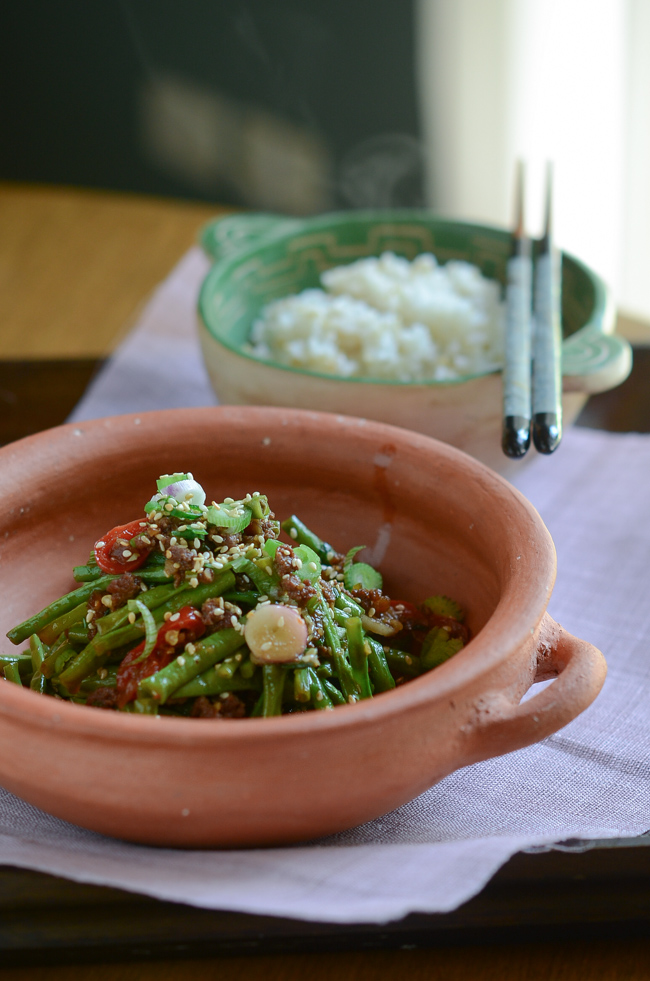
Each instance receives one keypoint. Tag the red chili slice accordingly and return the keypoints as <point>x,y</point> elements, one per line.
<point>187,627</point>
<point>111,548</point>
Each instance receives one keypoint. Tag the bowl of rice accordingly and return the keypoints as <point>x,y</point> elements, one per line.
<point>393,315</point>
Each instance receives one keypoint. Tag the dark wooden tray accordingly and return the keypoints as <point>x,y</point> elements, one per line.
<point>593,889</point>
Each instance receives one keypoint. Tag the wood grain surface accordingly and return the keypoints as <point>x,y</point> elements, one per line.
<point>75,266</point>
<point>546,960</point>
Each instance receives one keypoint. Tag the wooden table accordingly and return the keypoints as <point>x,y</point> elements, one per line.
<point>74,269</point>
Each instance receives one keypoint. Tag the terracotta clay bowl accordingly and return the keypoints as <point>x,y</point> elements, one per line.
<point>437,520</point>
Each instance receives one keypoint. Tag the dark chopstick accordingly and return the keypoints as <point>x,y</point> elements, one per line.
<point>547,343</point>
<point>515,437</point>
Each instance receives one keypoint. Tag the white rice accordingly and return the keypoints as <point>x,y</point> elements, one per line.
<point>388,318</point>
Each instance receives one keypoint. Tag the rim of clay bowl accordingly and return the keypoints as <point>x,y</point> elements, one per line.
<point>505,631</point>
<point>269,230</point>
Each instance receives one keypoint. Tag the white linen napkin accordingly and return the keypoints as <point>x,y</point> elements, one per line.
<point>591,780</point>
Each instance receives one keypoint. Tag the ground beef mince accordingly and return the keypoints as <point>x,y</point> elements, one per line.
<point>162,525</point>
<point>371,599</point>
<point>179,559</point>
<point>230,707</point>
<point>224,540</point>
<point>103,698</point>
<point>124,588</point>
<point>217,613</point>
<point>285,560</point>
<point>328,592</point>
<point>267,527</point>
<point>335,559</point>
<point>298,589</point>
<point>98,608</point>
<point>203,708</point>
<point>227,706</point>
<point>142,544</point>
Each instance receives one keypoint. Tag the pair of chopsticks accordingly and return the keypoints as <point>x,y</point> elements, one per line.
<point>532,374</point>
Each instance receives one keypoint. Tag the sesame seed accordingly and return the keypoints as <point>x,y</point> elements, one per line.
<point>168,553</point>
<point>312,566</point>
<point>197,543</point>
<point>228,500</point>
<point>266,646</point>
<point>131,618</point>
<point>280,621</point>
<point>409,660</point>
<point>371,611</point>
<point>173,541</point>
<point>190,648</point>
<point>142,524</point>
<point>180,660</point>
<point>238,657</point>
<point>171,637</point>
<point>293,533</point>
<point>167,615</point>
<point>174,617</point>
<point>233,620</point>
<point>107,601</point>
<point>194,582</point>
<point>99,544</point>
<point>169,507</point>
<point>102,673</point>
<point>90,616</point>
<point>297,563</point>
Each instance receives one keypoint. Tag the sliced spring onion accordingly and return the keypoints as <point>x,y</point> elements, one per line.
<point>360,573</point>
<point>232,516</point>
<point>150,628</point>
<point>445,607</point>
<point>168,479</point>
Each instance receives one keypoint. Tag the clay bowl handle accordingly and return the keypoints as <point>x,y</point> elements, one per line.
<point>580,671</point>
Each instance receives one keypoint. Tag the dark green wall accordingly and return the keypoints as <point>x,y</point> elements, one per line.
<point>72,69</point>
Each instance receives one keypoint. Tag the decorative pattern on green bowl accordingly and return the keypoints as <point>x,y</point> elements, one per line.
<point>262,257</point>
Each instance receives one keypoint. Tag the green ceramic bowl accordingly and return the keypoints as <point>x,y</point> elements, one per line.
<point>261,257</point>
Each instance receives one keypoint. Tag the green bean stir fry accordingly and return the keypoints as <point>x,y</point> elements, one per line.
<point>201,610</point>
